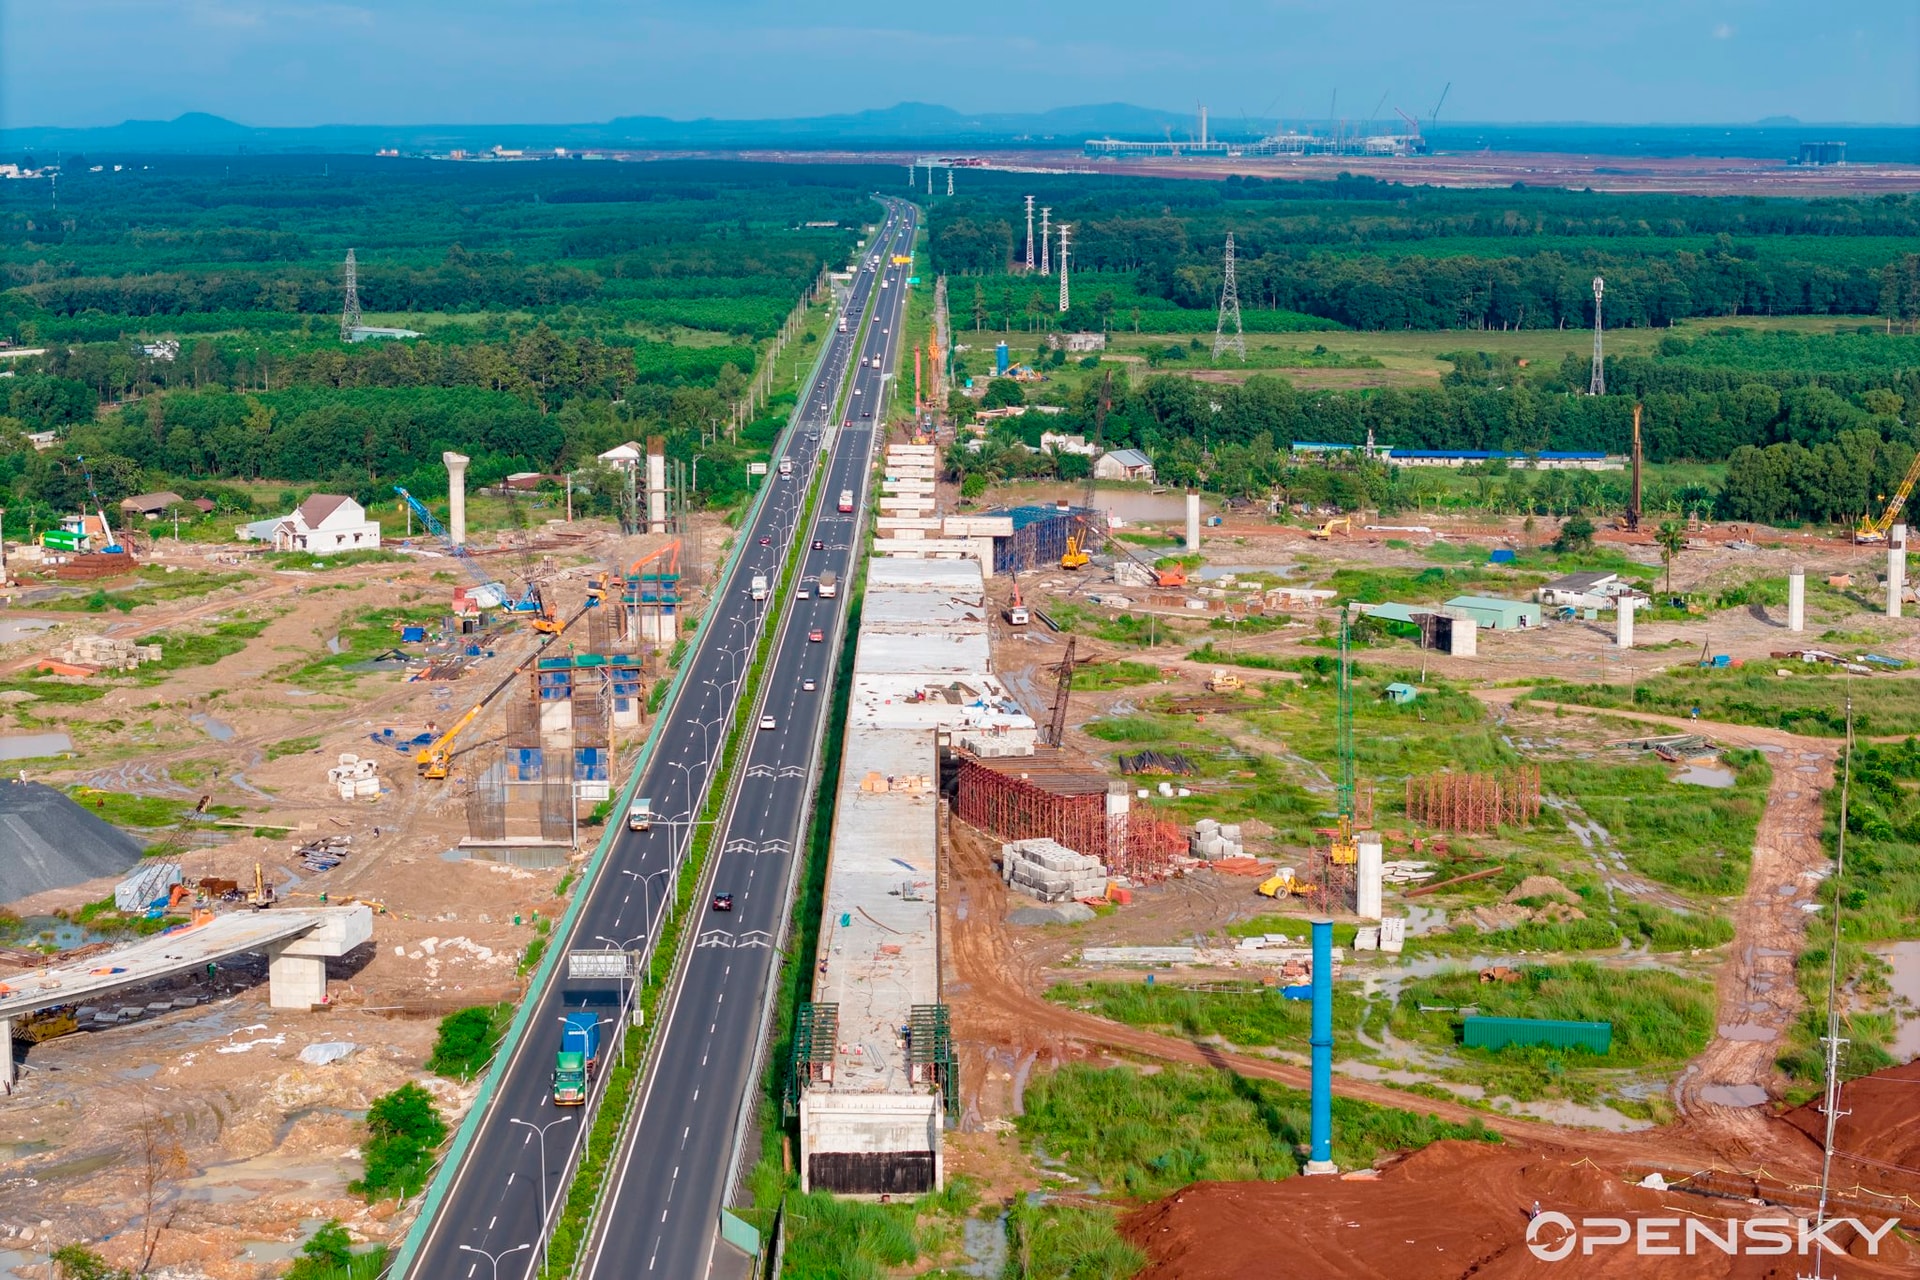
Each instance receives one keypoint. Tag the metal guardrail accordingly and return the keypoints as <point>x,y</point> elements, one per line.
<point>447,1172</point>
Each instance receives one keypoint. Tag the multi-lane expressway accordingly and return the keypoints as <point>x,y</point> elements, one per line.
<point>667,1186</point>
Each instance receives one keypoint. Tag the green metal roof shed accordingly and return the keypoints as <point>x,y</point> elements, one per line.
<point>1401,693</point>
<point>1491,611</point>
<point>1391,612</point>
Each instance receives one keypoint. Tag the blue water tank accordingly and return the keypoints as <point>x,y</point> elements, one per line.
<point>1000,359</point>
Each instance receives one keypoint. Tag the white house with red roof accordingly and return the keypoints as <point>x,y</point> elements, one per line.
<point>327,523</point>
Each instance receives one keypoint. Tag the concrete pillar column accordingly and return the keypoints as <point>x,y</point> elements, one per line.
<point>1623,607</point>
<point>656,485</point>
<point>1320,1114</point>
<point>1119,811</point>
<point>456,496</point>
<point>1369,872</point>
<point>1193,521</point>
<point>6,1056</point>
<point>1896,568</point>
<point>1797,598</point>
<point>1464,638</point>
<point>295,981</point>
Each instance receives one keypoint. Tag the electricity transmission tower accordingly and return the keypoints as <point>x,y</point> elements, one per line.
<point>1598,385</point>
<point>1029,233</point>
<point>1229,306</point>
<point>1045,269</point>
<point>949,182</point>
<point>1064,228</point>
<point>350,315</point>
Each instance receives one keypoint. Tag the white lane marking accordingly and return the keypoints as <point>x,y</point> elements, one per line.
<point>490,1221</point>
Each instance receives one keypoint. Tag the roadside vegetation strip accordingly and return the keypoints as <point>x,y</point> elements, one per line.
<point>587,1186</point>
<point>548,963</point>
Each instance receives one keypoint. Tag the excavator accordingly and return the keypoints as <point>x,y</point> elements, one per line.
<point>1325,532</point>
<point>1874,529</point>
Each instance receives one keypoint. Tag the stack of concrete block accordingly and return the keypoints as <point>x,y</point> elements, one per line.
<point>355,778</point>
<point>106,653</point>
<point>1211,840</point>
<point>1052,872</point>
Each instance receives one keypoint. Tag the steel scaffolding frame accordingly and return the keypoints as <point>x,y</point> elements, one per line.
<point>1475,803</point>
<point>1073,812</point>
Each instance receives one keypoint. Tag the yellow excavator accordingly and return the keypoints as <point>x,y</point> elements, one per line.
<point>1325,532</point>
<point>1874,528</point>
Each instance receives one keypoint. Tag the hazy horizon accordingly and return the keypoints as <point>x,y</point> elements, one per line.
<point>277,64</point>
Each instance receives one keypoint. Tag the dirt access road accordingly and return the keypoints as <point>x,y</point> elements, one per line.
<point>1004,1028</point>
<point>1721,1091</point>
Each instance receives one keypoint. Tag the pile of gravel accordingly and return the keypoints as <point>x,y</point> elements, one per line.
<point>49,842</point>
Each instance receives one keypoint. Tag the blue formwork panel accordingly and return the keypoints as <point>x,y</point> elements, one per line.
<point>590,764</point>
<point>525,764</point>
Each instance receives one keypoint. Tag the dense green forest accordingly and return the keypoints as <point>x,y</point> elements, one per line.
<point>1374,255</point>
<point>569,307</point>
<point>565,308</point>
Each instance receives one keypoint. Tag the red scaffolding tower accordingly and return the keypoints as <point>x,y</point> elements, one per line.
<point>1057,796</point>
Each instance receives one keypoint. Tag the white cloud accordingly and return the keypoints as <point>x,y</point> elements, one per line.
<point>1723,32</point>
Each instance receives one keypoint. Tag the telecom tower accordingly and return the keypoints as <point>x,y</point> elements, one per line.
<point>1029,233</point>
<point>929,177</point>
<point>913,171</point>
<point>1064,228</point>
<point>1229,306</point>
<point>1598,385</point>
<point>350,315</point>
<point>949,181</point>
<point>1045,270</point>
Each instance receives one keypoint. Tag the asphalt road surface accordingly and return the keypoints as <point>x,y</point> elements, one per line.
<point>668,1180</point>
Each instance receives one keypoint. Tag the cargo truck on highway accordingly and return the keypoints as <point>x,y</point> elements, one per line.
<point>758,588</point>
<point>640,817</point>
<point>829,585</point>
<point>578,1057</point>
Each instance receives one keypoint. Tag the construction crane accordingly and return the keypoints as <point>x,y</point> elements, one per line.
<point>436,758</point>
<point>93,490</point>
<point>1344,850</point>
<point>1075,556</point>
<point>1874,528</point>
<point>1433,117</point>
<point>1057,722</point>
<point>531,591</point>
<point>487,584</point>
<point>1633,495</point>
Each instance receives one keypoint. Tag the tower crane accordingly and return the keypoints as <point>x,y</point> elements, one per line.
<point>492,587</point>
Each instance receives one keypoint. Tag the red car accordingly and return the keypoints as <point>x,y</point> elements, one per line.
<point>723,902</point>
<point>816,635</point>
<point>766,541</point>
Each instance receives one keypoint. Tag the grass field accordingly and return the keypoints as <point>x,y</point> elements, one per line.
<point>1809,700</point>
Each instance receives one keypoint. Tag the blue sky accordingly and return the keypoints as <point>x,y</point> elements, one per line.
<point>300,62</point>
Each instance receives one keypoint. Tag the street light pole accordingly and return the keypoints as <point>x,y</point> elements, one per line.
<point>540,1129</point>
<point>494,1258</point>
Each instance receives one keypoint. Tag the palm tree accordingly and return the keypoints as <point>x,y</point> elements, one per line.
<point>1672,537</point>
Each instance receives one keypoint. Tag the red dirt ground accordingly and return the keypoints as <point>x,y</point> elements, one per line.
<point>1876,1142</point>
<point>1457,1209</point>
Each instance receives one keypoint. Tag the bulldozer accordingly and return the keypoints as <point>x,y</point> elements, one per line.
<point>1325,532</point>
<point>1222,681</point>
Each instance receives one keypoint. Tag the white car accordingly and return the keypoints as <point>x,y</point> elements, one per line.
<point>766,722</point>
<point>804,593</point>
<point>807,685</point>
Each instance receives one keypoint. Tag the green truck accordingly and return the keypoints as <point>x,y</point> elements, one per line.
<point>579,1055</point>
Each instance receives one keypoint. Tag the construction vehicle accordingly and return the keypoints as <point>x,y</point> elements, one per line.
<point>262,895</point>
<point>1174,575</point>
<point>1016,613</point>
<point>106,528</point>
<point>1343,524</point>
<point>1283,885</point>
<point>640,816</point>
<point>1874,529</point>
<point>1075,556</point>
<point>490,593</point>
<point>42,1025</point>
<point>436,758</point>
<point>1222,681</point>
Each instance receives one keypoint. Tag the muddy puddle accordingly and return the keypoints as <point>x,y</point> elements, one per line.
<point>1903,958</point>
<point>32,746</point>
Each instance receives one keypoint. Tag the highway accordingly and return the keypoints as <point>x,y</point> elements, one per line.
<point>669,1196</point>
<point>670,1179</point>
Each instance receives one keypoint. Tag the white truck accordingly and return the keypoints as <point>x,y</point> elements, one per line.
<point>640,816</point>
<point>829,585</point>
<point>786,466</point>
<point>758,588</point>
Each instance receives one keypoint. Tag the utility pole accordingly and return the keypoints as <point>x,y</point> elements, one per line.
<point>1597,385</point>
<point>1064,229</point>
<point>1030,235</point>
<point>1229,306</point>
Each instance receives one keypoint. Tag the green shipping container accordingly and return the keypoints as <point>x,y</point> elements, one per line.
<point>1499,1033</point>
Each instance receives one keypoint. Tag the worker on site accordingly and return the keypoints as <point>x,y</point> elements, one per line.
<point>1535,1213</point>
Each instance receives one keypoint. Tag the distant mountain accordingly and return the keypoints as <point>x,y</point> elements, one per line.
<point>909,123</point>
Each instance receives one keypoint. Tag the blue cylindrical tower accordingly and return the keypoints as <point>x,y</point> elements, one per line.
<point>1320,1156</point>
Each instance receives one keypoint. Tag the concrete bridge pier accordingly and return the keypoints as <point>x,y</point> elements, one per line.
<point>6,1057</point>
<point>297,968</point>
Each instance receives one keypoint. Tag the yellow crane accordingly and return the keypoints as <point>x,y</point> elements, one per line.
<point>1874,529</point>
<point>436,758</point>
<point>1075,556</point>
